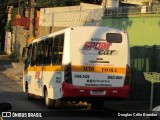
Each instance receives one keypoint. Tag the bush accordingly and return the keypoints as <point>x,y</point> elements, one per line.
<point>15,57</point>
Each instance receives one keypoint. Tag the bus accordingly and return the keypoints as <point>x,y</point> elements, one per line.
<point>90,64</point>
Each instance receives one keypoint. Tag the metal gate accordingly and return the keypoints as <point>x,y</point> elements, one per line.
<point>144,59</point>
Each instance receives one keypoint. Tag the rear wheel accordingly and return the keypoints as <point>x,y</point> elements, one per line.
<point>50,103</point>
<point>29,95</point>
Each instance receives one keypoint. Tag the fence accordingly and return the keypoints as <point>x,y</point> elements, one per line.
<point>147,60</point>
<point>89,17</point>
<point>132,10</point>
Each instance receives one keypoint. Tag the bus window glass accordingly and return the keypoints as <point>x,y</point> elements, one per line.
<point>27,62</point>
<point>40,53</point>
<point>114,38</point>
<point>48,51</point>
<point>58,49</point>
<point>34,54</point>
<point>29,54</point>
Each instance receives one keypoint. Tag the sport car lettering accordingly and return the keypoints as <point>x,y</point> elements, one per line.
<point>96,45</point>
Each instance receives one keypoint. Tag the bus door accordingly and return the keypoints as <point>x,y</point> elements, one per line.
<point>57,58</point>
<point>27,52</point>
<point>52,59</point>
<point>38,69</point>
<point>33,69</point>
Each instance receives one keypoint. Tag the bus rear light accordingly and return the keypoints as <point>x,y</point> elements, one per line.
<point>128,75</point>
<point>68,73</point>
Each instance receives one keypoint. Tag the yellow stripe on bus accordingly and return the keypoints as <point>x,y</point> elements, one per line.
<point>113,70</point>
<point>35,68</point>
<point>100,69</point>
<point>45,68</point>
<point>52,68</point>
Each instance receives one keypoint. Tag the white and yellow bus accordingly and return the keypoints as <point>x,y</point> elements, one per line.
<point>79,63</point>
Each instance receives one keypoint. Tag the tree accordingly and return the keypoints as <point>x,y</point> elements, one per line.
<point>56,3</point>
<point>3,21</point>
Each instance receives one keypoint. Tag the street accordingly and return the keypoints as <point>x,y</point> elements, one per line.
<point>80,60</point>
<point>8,85</point>
<point>11,91</point>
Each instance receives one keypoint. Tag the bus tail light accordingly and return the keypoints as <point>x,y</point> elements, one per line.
<point>68,73</point>
<point>128,75</point>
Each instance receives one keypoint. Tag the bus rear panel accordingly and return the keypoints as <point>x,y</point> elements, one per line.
<point>99,64</point>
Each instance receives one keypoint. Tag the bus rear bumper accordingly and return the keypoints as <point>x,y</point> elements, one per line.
<point>70,91</point>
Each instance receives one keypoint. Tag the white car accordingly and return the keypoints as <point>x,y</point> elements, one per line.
<point>155,110</point>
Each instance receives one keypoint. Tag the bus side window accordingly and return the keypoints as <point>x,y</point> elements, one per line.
<point>58,49</point>
<point>40,50</point>
<point>48,51</point>
<point>29,54</point>
<point>28,59</point>
<point>34,54</point>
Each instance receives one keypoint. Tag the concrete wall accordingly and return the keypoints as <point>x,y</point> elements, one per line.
<point>112,3</point>
<point>138,2</point>
<point>143,29</point>
<point>18,38</point>
<point>44,30</point>
<point>85,14</point>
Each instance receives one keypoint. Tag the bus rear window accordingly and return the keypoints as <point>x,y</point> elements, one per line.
<point>114,38</point>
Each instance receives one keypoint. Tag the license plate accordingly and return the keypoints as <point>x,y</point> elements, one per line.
<point>98,92</point>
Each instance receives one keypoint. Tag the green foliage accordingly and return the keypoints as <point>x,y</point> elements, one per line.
<point>15,57</point>
<point>15,3</point>
<point>9,26</point>
<point>44,3</point>
<point>146,2</point>
<point>14,12</point>
<point>57,3</point>
<point>3,19</point>
<point>2,53</point>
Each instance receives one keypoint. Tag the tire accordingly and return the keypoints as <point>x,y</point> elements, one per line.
<point>29,95</point>
<point>50,103</point>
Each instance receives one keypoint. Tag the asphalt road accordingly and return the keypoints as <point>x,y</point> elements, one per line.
<point>11,91</point>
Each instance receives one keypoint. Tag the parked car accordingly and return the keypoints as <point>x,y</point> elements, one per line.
<point>4,106</point>
<point>155,110</point>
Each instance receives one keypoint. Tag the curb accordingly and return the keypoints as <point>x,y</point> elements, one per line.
<point>13,65</point>
<point>8,66</point>
<point>4,67</point>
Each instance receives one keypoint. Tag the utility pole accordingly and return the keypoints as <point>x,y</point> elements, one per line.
<point>7,45</point>
<point>19,7</point>
<point>32,21</point>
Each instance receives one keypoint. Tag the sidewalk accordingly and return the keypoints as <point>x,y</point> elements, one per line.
<point>12,70</point>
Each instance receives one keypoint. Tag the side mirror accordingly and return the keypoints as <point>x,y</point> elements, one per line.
<point>5,106</point>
